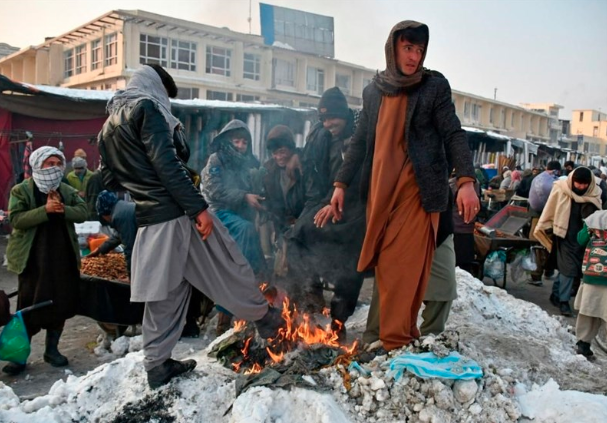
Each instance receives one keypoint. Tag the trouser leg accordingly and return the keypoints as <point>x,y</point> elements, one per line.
<point>564,288</point>
<point>371,333</point>
<point>435,317</point>
<point>163,322</point>
<point>587,327</point>
<point>345,296</point>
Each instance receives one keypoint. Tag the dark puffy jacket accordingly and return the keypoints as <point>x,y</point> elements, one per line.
<point>142,155</point>
<point>434,136</point>
<point>229,176</point>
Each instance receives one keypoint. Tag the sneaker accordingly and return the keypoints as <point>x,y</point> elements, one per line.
<point>583,348</point>
<point>162,374</point>
<point>535,283</point>
<point>566,309</point>
<point>554,300</point>
<point>269,324</point>
<point>13,369</point>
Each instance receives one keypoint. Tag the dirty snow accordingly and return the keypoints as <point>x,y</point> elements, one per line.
<point>523,352</point>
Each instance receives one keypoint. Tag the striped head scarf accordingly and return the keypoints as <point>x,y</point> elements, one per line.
<point>105,203</point>
<point>47,179</point>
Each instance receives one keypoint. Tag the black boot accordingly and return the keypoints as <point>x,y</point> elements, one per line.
<point>191,329</point>
<point>51,353</point>
<point>162,374</point>
<point>583,348</point>
<point>269,324</point>
<point>13,369</point>
<point>554,300</point>
<point>566,309</point>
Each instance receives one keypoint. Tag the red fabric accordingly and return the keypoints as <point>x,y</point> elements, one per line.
<point>6,167</point>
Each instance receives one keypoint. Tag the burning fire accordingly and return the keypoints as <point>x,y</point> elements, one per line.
<point>299,331</point>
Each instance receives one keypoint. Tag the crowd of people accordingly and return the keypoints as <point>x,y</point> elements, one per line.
<point>389,192</point>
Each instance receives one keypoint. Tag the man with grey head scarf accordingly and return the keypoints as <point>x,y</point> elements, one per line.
<point>179,243</point>
<point>79,176</point>
<point>43,250</point>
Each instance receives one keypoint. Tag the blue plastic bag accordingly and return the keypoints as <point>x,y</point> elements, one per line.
<point>428,365</point>
<point>495,265</point>
<point>14,342</point>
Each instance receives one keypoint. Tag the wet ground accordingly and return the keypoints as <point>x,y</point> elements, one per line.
<point>81,334</point>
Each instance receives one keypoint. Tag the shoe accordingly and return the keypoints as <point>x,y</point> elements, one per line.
<point>269,324</point>
<point>554,300</point>
<point>13,369</point>
<point>583,348</point>
<point>224,323</point>
<point>162,374</point>
<point>51,353</point>
<point>366,356</point>
<point>566,309</point>
<point>191,329</point>
<point>535,283</point>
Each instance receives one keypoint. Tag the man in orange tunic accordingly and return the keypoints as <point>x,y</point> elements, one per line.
<point>408,133</point>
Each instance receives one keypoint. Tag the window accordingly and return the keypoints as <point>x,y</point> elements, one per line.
<point>107,87</point>
<point>187,93</point>
<point>111,49</point>
<point>476,112</point>
<point>522,128</point>
<point>96,54</point>
<point>512,120</point>
<point>183,55</point>
<point>68,63</point>
<point>246,98</point>
<point>503,119</point>
<point>284,73</point>
<point>343,83</point>
<point>219,61</point>
<point>581,116</point>
<point>153,50</point>
<point>491,115</point>
<point>252,66</point>
<point>80,59</point>
<point>466,110</point>
<point>595,132</point>
<point>315,80</point>
<point>218,95</point>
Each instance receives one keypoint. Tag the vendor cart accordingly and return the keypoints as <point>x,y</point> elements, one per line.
<point>504,232</point>
<point>108,301</point>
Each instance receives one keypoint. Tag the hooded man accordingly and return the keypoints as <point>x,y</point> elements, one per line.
<point>570,202</point>
<point>43,250</point>
<point>541,186</point>
<point>407,134</point>
<point>178,243</point>
<point>319,247</point>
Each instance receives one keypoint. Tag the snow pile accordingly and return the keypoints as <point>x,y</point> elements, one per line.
<point>518,346</point>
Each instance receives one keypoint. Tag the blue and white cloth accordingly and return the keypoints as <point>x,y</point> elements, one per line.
<point>428,365</point>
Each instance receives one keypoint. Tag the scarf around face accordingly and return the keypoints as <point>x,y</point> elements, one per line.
<point>47,179</point>
<point>145,83</point>
<point>392,81</point>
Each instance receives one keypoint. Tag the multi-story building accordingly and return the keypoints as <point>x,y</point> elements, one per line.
<point>503,118</point>
<point>207,62</point>
<point>589,129</point>
<point>555,128</point>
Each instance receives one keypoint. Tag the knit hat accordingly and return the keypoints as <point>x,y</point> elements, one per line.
<point>80,153</point>
<point>582,175</point>
<point>105,203</point>
<point>333,104</point>
<point>280,136</point>
<point>78,163</point>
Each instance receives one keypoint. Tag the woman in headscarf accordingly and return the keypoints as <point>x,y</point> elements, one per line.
<point>571,201</point>
<point>43,249</point>
<point>516,177</point>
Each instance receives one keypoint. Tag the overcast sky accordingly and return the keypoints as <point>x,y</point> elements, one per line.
<point>530,50</point>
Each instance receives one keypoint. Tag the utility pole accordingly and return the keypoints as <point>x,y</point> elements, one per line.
<point>495,93</point>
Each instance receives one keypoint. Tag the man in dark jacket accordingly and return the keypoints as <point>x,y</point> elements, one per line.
<point>178,242</point>
<point>318,247</point>
<point>407,133</point>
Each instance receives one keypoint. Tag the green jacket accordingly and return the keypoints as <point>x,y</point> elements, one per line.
<point>75,181</point>
<point>583,238</point>
<point>25,217</point>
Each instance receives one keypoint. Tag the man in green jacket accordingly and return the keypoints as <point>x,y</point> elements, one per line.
<point>79,177</point>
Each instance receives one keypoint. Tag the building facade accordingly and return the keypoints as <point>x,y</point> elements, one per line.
<point>206,62</point>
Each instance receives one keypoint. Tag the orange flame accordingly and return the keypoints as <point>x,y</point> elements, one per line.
<point>277,358</point>
<point>236,366</point>
<point>255,369</point>
<point>245,350</point>
<point>263,286</point>
<point>326,312</point>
